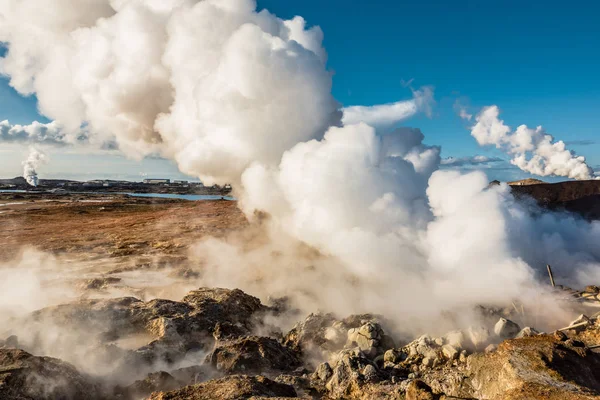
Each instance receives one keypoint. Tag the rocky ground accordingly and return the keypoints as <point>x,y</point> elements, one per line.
<point>115,338</point>
<point>207,346</point>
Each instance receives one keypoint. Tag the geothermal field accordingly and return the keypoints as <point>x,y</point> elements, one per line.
<point>108,296</point>
<point>323,248</point>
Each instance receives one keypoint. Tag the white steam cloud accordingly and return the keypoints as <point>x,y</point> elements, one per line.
<point>532,150</point>
<point>355,211</point>
<point>31,164</point>
<point>387,115</point>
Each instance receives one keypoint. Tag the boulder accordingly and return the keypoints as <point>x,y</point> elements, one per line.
<point>24,376</point>
<point>253,354</point>
<point>367,337</point>
<point>235,387</point>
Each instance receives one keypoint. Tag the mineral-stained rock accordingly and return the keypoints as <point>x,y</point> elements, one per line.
<point>506,329</point>
<point>235,387</point>
<point>538,367</point>
<point>24,377</point>
<point>256,354</point>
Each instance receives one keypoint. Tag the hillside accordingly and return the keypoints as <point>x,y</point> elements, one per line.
<point>582,197</point>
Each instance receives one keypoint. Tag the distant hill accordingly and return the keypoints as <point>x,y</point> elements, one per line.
<point>582,197</point>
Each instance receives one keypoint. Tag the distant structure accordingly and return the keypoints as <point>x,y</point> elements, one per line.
<point>179,182</point>
<point>156,181</point>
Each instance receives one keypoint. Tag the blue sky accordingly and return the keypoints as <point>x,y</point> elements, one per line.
<point>537,60</point>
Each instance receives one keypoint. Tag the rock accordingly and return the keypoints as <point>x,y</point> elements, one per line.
<point>450,352</point>
<point>370,374</point>
<point>234,387</point>
<point>24,376</point>
<point>394,356</point>
<point>527,332</point>
<point>157,381</point>
<point>313,334</point>
<point>323,372</point>
<point>253,354</point>
<point>429,362</point>
<point>349,373</point>
<point>163,331</point>
<point>537,367</point>
<point>506,329</point>
<point>11,342</point>
<point>419,390</point>
<point>367,337</point>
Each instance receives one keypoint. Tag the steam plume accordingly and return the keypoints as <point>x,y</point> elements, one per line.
<point>356,209</point>
<point>533,150</point>
<point>31,164</point>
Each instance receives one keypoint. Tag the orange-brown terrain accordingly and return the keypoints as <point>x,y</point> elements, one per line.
<point>103,226</point>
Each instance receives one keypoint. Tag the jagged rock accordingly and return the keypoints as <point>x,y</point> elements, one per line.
<point>24,376</point>
<point>526,332</point>
<point>394,356</point>
<point>419,390</point>
<point>311,334</point>
<point>323,372</point>
<point>172,329</point>
<point>349,373</point>
<point>424,346</point>
<point>256,354</point>
<point>506,329</point>
<point>235,387</point>
<point>367,338</point>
